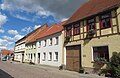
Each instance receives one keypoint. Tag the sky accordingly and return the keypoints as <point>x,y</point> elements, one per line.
<point>20,17</point>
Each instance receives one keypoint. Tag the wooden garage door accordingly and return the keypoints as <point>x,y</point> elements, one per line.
<point>73,59</point>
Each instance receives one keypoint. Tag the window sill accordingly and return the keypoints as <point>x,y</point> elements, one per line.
<point>104,28</point>
<point>76,34</point>
<point>43,60</point>
<point>56,44</point>
<point>55,60</point>
<point>49,60</point>
<point>99,61</point>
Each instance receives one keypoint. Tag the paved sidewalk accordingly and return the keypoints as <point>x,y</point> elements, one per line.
<point>56,70</point>
<point>23,70</point>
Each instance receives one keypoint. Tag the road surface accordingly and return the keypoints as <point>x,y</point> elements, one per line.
<point>19,70</point>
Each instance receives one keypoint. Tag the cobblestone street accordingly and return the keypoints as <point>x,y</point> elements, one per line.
<point>19,70</point>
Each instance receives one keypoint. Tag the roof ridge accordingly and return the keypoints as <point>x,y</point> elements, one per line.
<point>92,7</point>
<point>37,32</point>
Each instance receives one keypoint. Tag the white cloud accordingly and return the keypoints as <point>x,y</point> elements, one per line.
<point>64,19</point>
<point>17,37</point>
<point>58,8</point>
<point>24,5</point>
<point>3,44</point>
<point>36,26</point>
<point>2,31</point>
<point>27,29</point>
<point>3,47</point>
<point>3,41</point>
<point>3,19</point>
<point>7,38</point>
<point>10,43</point>
<point>22,17</point>
<point>13,32</point>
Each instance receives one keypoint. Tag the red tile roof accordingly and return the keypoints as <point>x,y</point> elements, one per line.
<point>55,28</point>
<point>31,36</point>
<point>92,7</point>
<point>5,52</point>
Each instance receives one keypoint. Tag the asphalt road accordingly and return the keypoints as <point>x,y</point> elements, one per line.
<point>19,70</point>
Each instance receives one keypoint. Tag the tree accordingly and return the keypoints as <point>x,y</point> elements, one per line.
<point>114,65</point>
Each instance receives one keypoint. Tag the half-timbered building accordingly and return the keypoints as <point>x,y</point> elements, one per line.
<point>91,33</point>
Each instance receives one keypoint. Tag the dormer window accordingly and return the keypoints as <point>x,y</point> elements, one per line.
<point>105,21</point>
<point>68,30</point>
<point>91,24</point>
<point>76,29</point>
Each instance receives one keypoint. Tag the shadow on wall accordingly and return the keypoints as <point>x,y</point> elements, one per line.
<point>3,74</point>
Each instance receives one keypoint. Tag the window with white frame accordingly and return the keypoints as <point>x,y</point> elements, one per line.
<point>68,30</point>
<point>34,46</point>
<point>100,52</point>
<point>56,56</point>
<point>57,39</point>
<point>39,43</point>
<point>26,48</point>
<point>16,56</point>
<point>76,29</point>
<point>44,56</point>
<point>91,24</point>
<point>44,43</point>
<point>50,41</point>
<point>31,56</point>
<point>50,56</point>
<point>105,20</point>
<point>31,46</point>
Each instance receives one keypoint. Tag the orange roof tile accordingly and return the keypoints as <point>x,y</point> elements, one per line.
<point>5,52</point>
<point>55,28</point>
<point>92,7</point>
<point>31,36</point>
<point>49,30</point>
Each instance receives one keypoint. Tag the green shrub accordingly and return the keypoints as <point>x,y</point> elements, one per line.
<point>81,70</point>
<point>114,65</point>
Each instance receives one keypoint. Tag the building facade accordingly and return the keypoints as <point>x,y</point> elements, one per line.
<point>6,55</point>
<point>50,46</point>
<point>19,50</point>
<point>30,50</point>
<point>92,32</point>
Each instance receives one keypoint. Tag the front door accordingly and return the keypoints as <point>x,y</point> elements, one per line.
<point>73,58</point>
<point>38,58</point>
<point>34,57</point>
<point>22,58</point>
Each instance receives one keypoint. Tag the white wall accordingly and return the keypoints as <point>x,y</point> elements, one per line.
<point>18,57</point>
<point>19,49</point>
<point>50,48</point>
<point>30,49</point>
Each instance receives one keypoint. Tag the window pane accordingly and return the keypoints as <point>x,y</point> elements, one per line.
<point>56,56</point>
<point>50,56</point>
<point>56,40</point>
<point>69,31</point>
<point>44,56</point>
<point>108,22</point>
<point>91,24</point>
<point>101,52</point>
<point>105,19</point>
